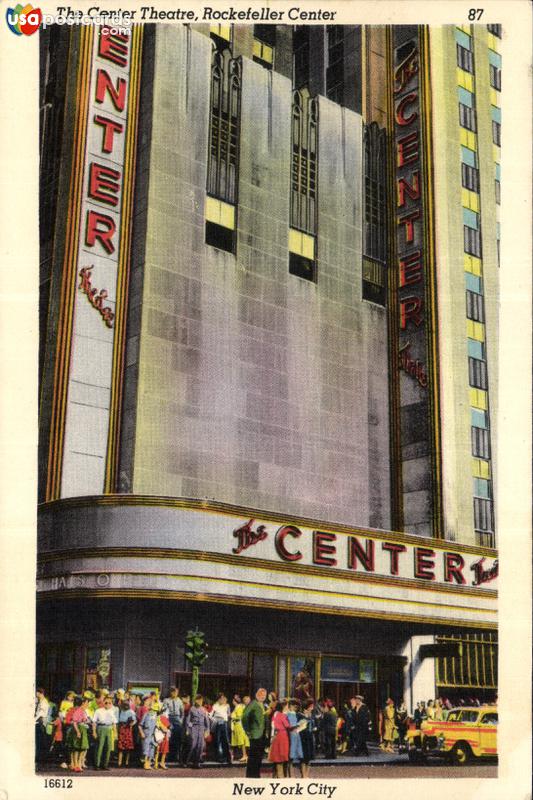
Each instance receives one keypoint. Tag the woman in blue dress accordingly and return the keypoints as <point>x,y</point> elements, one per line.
<point>296,752</point>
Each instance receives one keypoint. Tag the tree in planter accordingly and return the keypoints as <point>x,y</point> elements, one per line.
<point>196,655</point>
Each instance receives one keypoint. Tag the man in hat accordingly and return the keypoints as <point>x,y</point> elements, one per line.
<point>174,709</point>
<point>361,721</point>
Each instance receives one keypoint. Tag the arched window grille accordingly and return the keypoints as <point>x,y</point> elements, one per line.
<point>224,127</point>
<point>304,163</point>
<point>375,176</point>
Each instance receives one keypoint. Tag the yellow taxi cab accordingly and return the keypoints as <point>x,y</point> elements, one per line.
<point>467,733</point>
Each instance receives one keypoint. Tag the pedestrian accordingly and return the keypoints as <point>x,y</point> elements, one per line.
<point>296,751</point>
<point>280,745</point>
<point>420,714</point>
<point>42,708</point>
<point>104,731</point>
<point>162,737</point>
<point>66,703</point>
<point>186,737</point>
<point>439,710</point>
<point>389,726</point>
<point>198,727</point>
<point>402,723</point>
<point>253,720</point>
<point>174,708</point>
<point>270,707</point>
<point>146,732</point>
<point>220,716</point>
<point>361,726</point>
<point>329,729</point>
<point>126,723</point>
<point>78,739</point>
<point>318,734</point>
<point>430,710</point>
<point>239,739</point>
<point>306,736</point>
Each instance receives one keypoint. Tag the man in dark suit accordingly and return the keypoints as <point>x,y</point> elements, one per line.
<point>253,722</point>
<point>361,720</point>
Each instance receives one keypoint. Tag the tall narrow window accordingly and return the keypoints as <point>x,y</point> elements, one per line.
<point>465,59</point>
<point>470,178</point>
<point>467,117</point>
<point>303,200</point>
<point>301,48</point>
<point>223,156</point>
<point>335,63</point>
<point>375,217</point>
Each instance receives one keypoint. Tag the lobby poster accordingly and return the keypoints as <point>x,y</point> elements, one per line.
<point>157,524</point>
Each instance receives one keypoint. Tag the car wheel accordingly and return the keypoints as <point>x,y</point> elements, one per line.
<point>461,753</point>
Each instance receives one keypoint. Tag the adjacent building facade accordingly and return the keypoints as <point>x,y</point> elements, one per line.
<point>269,260</point>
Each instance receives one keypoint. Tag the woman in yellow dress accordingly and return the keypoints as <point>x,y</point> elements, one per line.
<point>238,735</point>
<point>389,726</point>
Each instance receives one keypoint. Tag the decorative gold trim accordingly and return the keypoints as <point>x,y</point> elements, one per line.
<point>430,279</point>
<point>216,507</point>
<point>123,274</point>
<point>70,259</point>
<point>293,589</point>
<point>263,564</point>
<point>396,476</point>
<point>257,603</point>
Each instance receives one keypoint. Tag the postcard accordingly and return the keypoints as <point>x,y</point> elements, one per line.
<point>266,328</point>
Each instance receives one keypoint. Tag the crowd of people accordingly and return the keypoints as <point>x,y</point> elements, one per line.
<point>95,729</point>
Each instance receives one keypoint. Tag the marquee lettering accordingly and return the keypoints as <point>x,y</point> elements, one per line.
<point>361,553</point>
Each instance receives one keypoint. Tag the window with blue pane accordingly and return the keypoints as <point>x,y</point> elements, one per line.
<point>479,418</point>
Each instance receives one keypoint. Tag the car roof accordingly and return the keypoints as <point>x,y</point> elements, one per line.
<point>473,708</point>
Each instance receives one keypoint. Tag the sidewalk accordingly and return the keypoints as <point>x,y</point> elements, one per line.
<point>375,756</point>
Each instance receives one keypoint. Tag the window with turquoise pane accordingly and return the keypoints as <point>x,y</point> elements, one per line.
<point>470,218</point>
<point>482,488</point>
<point>475,349</point>
<point>479,418</point>
<point>473,283</point>
<point>468,156</point>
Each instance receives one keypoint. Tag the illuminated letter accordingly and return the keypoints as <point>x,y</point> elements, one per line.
<point>113,47</point>
<point>405,101</point>
<point>453,568</point>
<point>411,309</point>
<point>410,269</point>
<point>408,149</point>
<point>322,552</point>
<point>117,94</point>
<point>408,221</point>
<point>103,234</point>
<point>279,543</point>
<point>424,563</point>
<point>110,128</point>
<point>394,550</point>
<point>103,184</point>
<point>413,190</point>
<point>356,552</point>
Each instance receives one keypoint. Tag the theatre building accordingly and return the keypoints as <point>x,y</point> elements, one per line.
<point>269,261</point>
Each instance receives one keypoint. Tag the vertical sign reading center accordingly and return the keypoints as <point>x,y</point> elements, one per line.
<point>98,254</point>
<point>412,280</point>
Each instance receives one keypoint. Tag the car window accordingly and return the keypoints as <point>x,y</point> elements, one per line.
<point>469,716</point>
<point>490,719</point>
<point>453,716</point>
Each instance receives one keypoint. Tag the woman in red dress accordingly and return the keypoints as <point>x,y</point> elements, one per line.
<point>163,725</point>
<point>280,747</point>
